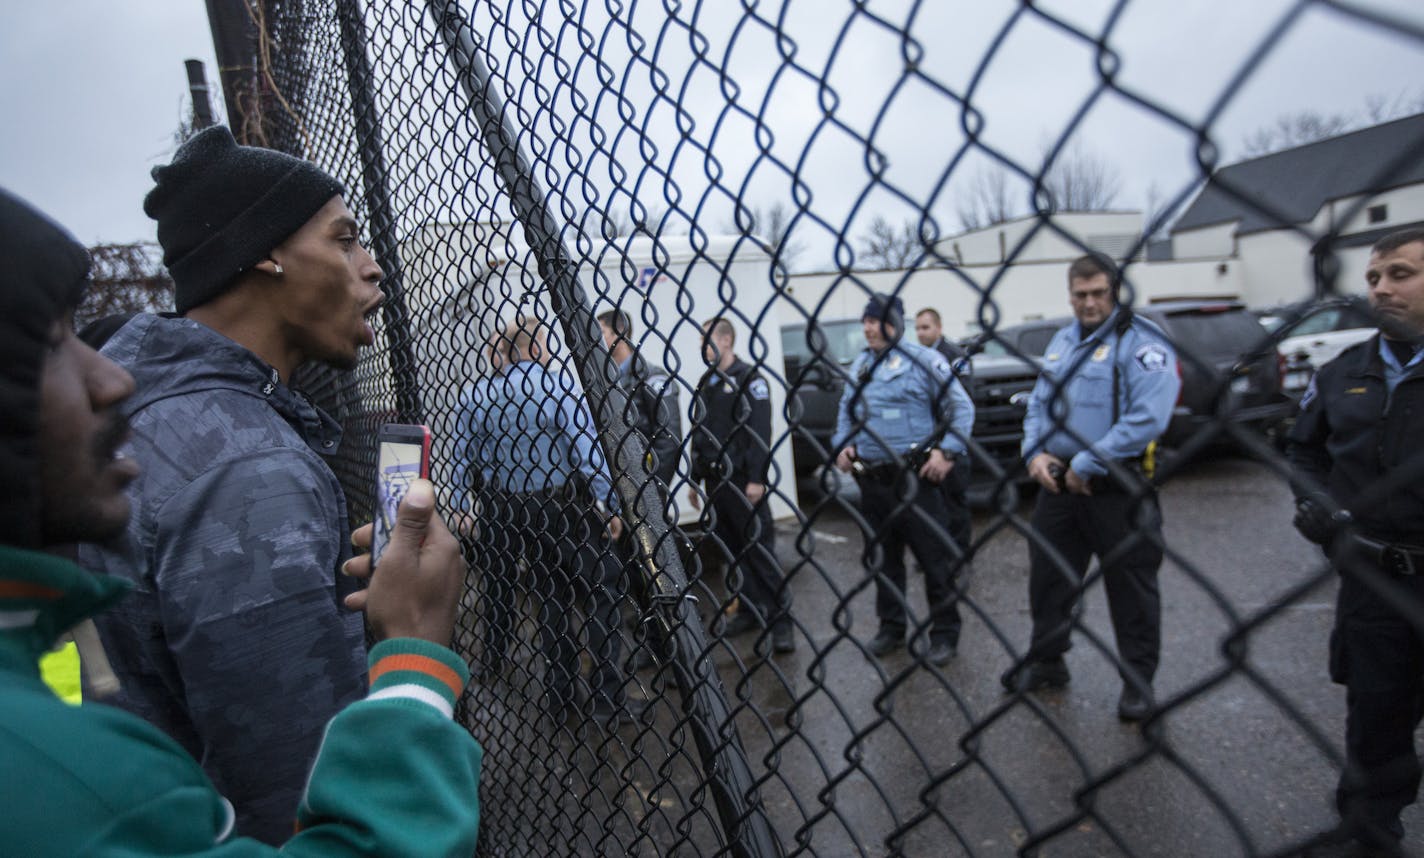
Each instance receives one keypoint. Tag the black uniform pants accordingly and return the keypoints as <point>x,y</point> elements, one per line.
<point>1078,527</point>
<point>956,498</point>
<point>571,565</point>
<point>920,526</point>
<point>749,541</point>
<point>1379,655</point>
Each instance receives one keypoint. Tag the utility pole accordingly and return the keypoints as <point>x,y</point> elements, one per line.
<point>198,90</point>
<point>235,43</point>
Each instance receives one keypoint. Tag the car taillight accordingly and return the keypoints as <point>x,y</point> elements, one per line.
<point>1280,370</point>
<point>1181,388</point>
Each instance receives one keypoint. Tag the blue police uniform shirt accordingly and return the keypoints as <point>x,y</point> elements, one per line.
<point>1070,412</point>
<point>529,430</point>
<point>894,408</point>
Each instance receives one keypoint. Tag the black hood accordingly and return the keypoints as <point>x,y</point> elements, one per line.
<point>45,273</point>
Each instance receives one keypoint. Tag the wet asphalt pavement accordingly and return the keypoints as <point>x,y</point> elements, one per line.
<point>859,757</point>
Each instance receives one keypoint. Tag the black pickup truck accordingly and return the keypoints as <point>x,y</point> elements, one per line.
<point>818,359</point>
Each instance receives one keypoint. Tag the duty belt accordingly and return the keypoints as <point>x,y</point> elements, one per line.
<point>1392,557</point>
<point>1106,484</point>
<point>889,471</point>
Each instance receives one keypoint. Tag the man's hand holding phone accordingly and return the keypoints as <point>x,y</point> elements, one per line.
<point>417,593</point>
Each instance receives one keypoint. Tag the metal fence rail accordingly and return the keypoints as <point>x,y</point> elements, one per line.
<point>551,161</point>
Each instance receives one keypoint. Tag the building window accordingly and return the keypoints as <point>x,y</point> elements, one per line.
<point>1377,214</point>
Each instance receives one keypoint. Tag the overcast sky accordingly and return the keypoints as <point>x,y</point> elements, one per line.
<point>94,95</point>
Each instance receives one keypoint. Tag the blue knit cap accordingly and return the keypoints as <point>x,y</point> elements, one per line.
<point>888,309</point>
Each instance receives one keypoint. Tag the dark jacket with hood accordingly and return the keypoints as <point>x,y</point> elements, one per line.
<point>1360,442</point>
<point>234,642</point>
<point>93,780</point>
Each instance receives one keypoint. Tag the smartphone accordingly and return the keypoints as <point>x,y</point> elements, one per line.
<point>403,456</point>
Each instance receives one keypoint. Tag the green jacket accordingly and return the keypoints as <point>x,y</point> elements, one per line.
<point>394,775</point>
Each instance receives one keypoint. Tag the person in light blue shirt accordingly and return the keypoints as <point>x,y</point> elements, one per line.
<point>543,495</point>
<point>905,417</point>
<point>1107,389</point>
<point>527,426</point>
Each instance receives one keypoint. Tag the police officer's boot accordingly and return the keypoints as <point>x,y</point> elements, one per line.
<point>886,641</point>
<point>1036,675</point>
<point>1135,704</point>
<point>783,637</point>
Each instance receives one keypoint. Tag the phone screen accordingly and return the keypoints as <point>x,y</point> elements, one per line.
<point>399,463</point>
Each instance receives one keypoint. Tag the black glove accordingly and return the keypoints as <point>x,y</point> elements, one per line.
<point>1314,519</point>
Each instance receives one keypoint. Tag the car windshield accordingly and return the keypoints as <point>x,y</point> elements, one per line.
<point>1321,322</point>
<point>995,348</point>
<point>1216,334</point>
<point>1036,342</point>
<point>839,341</point>
<point>1337,318</point>
<point>1030,341</point>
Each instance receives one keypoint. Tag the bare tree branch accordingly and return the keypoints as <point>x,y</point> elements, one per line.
<point>127,278</point>
<point>1308,126</point>
<point>1157,213</point>
<point>1080,181</point>
<point>654,220</point>
<point>985,200</point>
<point>884,248</point>
<point>1294,129</point>
<point>773,226</point>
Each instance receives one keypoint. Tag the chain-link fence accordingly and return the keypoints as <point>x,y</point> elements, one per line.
<point>708,681</point>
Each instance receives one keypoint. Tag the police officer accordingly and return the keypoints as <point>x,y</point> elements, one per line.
<point>1106,392</point>
<point>929,330</point>
<point>731,454</point>
<point>653,400</point>
<point>1359,481</point>
<point>901,428</point>
<point>545,497</point>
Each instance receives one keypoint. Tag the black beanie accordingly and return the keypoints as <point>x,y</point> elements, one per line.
<point>221,208</point>
<point>888,309</point>
<point>45,274</point>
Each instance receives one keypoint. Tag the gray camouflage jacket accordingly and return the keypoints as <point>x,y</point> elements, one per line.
<point>234,641</point>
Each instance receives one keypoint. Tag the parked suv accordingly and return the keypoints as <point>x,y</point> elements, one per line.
<point>1222,358</point>
<point>999,385</point>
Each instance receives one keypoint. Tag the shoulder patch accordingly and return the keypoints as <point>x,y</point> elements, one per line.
<point>941,366</point>
<point>759,389</point>
<point>1309,395</point>
<point>658,382</point>
<point>1151,357</point>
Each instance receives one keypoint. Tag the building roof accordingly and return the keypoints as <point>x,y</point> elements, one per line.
<point>1295,183</point>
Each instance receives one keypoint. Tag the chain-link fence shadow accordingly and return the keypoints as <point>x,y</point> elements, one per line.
<point>699,625</point>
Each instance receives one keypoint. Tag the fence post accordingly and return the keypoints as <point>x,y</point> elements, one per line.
<point>660,578</point>
<point>371,146</point>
